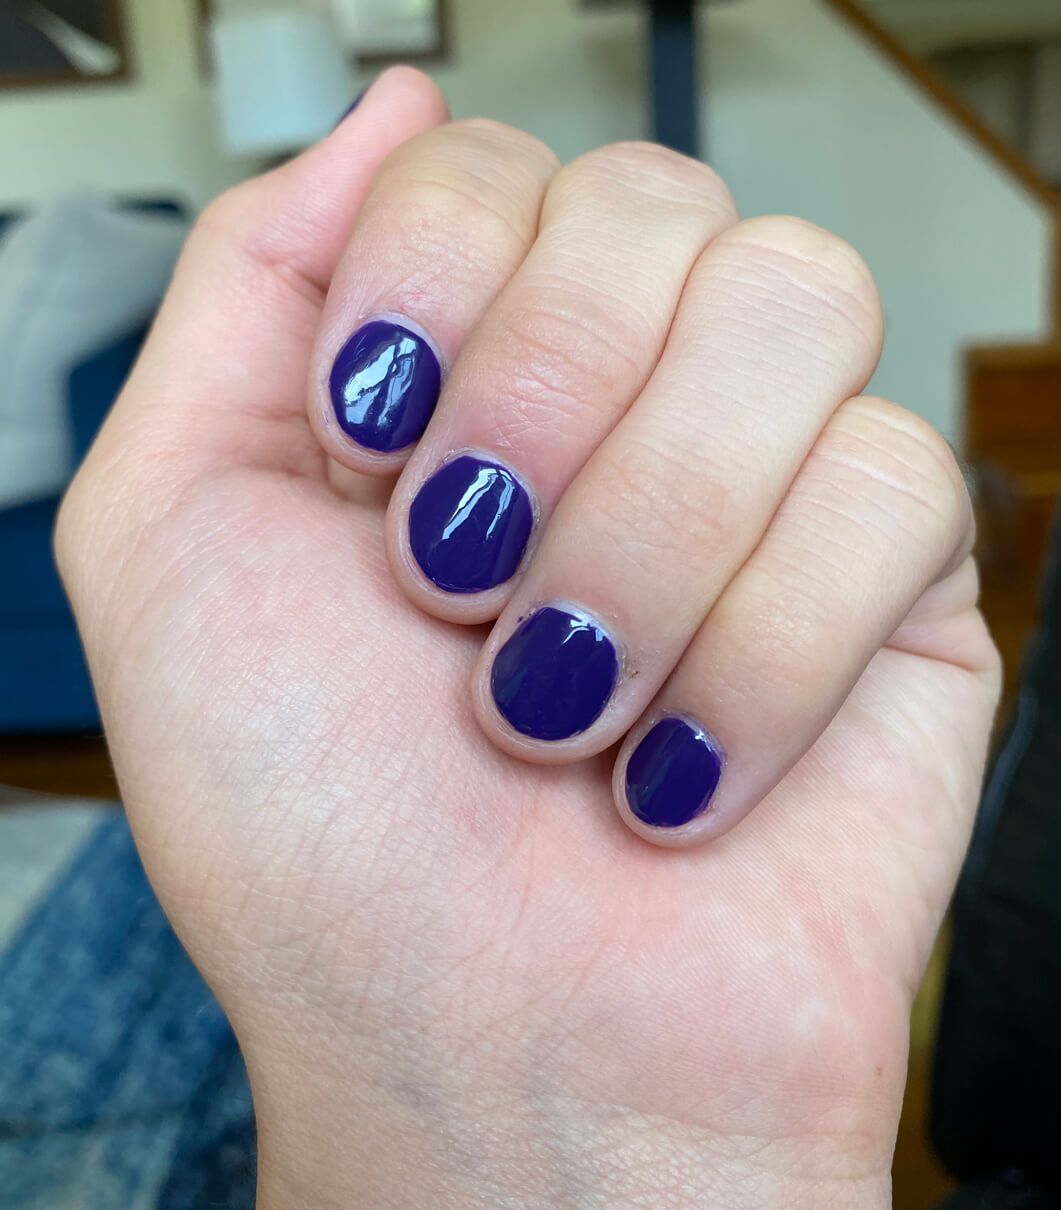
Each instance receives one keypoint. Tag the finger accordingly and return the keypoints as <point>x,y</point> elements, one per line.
<point>449,218</point>
<point>877,515</point>
<point>554,364</point>
<point>222,376</point>
<point>778,324</point>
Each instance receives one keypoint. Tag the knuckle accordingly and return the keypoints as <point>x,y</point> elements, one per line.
<point>648,170</point>
<point>907,459</point>
<point>474,170</point>
<point>818,265</point>
<point>443,236</point>
<point>487,134</point>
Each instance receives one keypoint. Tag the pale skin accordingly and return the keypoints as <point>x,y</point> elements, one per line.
<point>460,975</point>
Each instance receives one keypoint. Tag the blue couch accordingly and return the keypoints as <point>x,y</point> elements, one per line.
<point>44,683</point>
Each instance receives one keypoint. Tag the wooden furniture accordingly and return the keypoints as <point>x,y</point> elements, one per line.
<point>1013,439</point>
<point>74,766</point>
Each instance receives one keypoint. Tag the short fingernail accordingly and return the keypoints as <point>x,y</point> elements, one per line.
<point>555,674</point>
<point>672,774</point>
<point>469,525</point>
<point>384,385</point>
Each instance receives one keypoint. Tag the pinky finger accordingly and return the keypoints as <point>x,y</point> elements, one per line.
<point>877,515</point>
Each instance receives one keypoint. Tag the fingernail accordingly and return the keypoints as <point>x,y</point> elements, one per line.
<point>350,108</point>
<point>384,385</point>
<point>673,773</point>
<point>555,674</point>
<point>469,525</point>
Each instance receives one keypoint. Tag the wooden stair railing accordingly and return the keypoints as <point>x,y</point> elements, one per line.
<point>1013,393</point>
<point>1011,160</point>
<point>1012,437</point>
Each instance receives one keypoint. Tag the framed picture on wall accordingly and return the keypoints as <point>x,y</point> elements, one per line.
<point>61,41</point>
<point>386,30</point>
<point>372,32</point>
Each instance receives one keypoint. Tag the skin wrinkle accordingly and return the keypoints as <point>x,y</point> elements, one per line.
<point>615,328</point>
<point>448,174</point>
<point>604,171</point>
<point>870,466</point>
<point>560,353</point>
<point>835,276</point>
<point>747,323</point>
<point>647,522</point>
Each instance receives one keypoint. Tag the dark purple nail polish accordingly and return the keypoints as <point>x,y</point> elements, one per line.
<point>555,674</point>
<point>469,525</point>
<point>384,385</point>
<point>672,773</point>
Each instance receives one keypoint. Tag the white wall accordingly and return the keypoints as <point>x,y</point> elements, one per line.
<point>801,116</point>
<point>807,118</point>
<point>151,136</point>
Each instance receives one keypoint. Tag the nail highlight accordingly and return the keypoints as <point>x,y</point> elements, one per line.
<point>384,385</point>
<point>469,524</point>
<point>673,773</point>
<point>555,674</point>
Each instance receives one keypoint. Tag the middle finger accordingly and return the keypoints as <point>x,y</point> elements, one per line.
<point>554,363</point>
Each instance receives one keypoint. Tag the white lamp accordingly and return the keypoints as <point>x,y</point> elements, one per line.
<point>282,79</point>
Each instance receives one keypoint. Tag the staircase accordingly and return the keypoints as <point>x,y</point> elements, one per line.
<point>1012,441</point>
<point>1012,416</point>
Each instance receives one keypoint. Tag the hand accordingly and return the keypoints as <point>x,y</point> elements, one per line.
<point>460,979</point>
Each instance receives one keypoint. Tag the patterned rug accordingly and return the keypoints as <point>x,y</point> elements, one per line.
<point>121,1084</point>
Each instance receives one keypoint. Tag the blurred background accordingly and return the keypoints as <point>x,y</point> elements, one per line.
<point>927,132</point>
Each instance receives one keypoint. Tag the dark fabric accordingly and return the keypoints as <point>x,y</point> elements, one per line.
<point>1008,1192</point>
<point>44,681</point>
<point>121,1084</point>
<point>997,1083</point>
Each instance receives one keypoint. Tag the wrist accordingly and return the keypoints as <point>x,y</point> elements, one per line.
<point>644,1169</point>
<point>353,1145</point>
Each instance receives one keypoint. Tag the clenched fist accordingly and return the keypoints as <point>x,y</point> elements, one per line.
<point>458,499</point>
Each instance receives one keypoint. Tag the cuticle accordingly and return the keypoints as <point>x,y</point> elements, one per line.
<point>411,325</point>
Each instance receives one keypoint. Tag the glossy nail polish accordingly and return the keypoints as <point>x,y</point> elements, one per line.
<point>384,386</point>
<point>469,525</point>
<point>673,773</point>
<point>555,674</point>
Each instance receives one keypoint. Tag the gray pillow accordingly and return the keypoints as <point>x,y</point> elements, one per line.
<point>75,275</point>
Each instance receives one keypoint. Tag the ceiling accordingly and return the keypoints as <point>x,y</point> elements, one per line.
<point>933,24</point>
